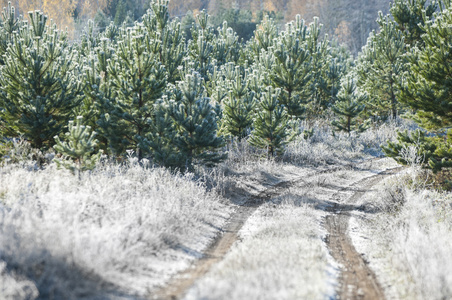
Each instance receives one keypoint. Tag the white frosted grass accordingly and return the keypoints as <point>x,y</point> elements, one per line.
<point>280,255</point>
<point>324,147</point>
<point>15,288</point>
<point>118,231</point>
<point>409,245</point>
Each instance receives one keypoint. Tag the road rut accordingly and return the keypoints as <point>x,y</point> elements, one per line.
<point>356,280</point>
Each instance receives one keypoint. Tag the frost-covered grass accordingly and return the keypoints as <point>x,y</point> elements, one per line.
<point>116,233</point>
<point>121,231</point>
<point>280,255</point>
<point>248,168</point>
<point>411,238</point>
<point>328,147</point>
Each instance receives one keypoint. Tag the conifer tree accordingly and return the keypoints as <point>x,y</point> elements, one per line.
<point>216,86</point>
<point>426,90</point>
<point>9,23</point>
<point>121,13</point>
<point>264,36</point>
<point>201,47</point>
<point>427,84</point>
<point>435,152</point>
<point>262,69</point>
<point>379,68</point>
<point>319,52</point>
<point>89,40</point>
<point>138,80</point>
<point>203,55</point>
<point>226,46</point>
<point>39,87</point>
<point>238,106</point>
<point>291,69</point>
<point>410,17</point>
<point>348,108</point>
<point>77,148</point>
<point>195,124</point>
<point>111,32</point>
<point>161,52</point>
<point>97,89</point>
<point>171,49</point>
<point>270,124</point>
<point>329,83</point>
<point>187,23</point>
<point>163,133</point>
<point>337,63</point>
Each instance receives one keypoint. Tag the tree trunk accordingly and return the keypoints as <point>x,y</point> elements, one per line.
<point>393,98</point>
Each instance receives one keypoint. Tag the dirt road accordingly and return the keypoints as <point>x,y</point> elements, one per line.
<point>356,279</point>
<point>178,286</point>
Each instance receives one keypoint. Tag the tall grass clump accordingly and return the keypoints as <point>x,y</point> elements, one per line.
<point>411,236</point>
<point>417,243</point>
<point>116,232</point>
<point>324,146</point>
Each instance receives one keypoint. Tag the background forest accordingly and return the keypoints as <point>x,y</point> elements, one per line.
<point>348,21</point>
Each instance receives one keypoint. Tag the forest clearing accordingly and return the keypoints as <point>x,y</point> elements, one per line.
<point>155,160</point>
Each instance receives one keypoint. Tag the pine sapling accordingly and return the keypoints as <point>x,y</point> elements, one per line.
<point>271,125</point>
<point>39,84</point>
<point>238,106</point>
<point>195,122</point>
<point>78,148</point>
<point>348,108</point>
<point>291,71</point>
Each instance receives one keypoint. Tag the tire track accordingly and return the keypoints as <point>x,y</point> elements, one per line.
<point>179,285</point>
<point>356,280</point>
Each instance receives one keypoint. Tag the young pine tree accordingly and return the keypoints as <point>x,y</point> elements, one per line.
<point>435,151</point>
<point>171,47</point>
<point>291,72</point>
<point>201,48</point>
<point>379,68</point>
<point>238,111</point>
<point>216,86</point>
<point>226,46</point>
<point>427,84</point>
<point>319,51</point>
<point>97,90</point>
<point>410,17</point>
<point>195,123</point>
<point>270,124</point>
<point>77,148</point>
<point>9,23</point>
<point>426,90</point>
<point>138,80</point>
<point>264,36</point>
<point>348,108</point>
<point>337,64</point>
<point>163,133</point>
<point>39,84</point>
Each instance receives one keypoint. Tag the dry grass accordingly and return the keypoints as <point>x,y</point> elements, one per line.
<point>326,147</point>
<point>411,238</point>
<point>118,231</point>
